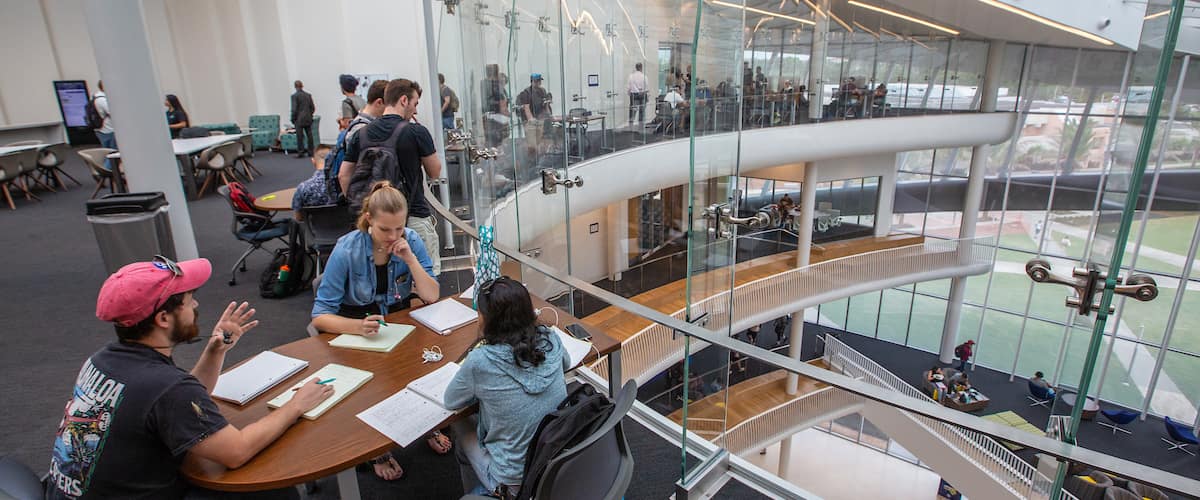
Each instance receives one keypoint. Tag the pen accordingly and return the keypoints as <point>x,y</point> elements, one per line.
<point>322,382</point>
<point>381,322</point>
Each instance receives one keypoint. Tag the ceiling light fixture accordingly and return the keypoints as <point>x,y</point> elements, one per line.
<point>903,16</point>
<point>1056,25</point>
<point>1158,14</point>
<point>763,12</point>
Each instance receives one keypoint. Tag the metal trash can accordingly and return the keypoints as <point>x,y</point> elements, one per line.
<point>131,227</point>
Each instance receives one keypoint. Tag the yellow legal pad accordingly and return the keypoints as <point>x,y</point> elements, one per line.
<point>346,380</point>
<point>388,338</point>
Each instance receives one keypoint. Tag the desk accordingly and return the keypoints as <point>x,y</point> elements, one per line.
<point>1090,408</point>
<point>578,123</point>
<point>978,401</point>
<point>276,201</point>
<point>338,440</point>
<point>7,150</point>
<point>184,149</point>
<point>822,219</point>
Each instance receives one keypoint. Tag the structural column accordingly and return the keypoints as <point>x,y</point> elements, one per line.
<point>971,201</point>
<point>816,61</point>
<point>808,202</point>
<point>118,33</point>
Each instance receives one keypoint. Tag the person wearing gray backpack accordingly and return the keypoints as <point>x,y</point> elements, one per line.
<point>394,147</point>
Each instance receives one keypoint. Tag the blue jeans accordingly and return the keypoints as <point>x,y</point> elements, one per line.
<point>448,122</point>
<point>473,459</point>
<point>107,140</point>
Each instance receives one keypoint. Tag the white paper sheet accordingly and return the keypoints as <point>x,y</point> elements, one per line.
<point>576,349</point>
<point>433,386</point>
<point>405,416</point>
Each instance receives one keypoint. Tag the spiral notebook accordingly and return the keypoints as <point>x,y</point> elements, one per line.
<point>444,316</point>
<point>346,380</point>
<point>256,376</point>
<point>415,410</point>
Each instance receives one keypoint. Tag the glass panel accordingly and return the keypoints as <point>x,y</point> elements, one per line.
<point>863,314</point>
<point>925,327</point>
<point>1040,347</point>
<point>1176,395</point>
<point>893,315</point>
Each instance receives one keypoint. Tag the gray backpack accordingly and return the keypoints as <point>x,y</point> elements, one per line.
<point>377,161</point>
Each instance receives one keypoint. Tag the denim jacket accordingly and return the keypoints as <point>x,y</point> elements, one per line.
<point>350,274</point>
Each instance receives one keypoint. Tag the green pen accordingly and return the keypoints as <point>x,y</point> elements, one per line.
<point>320,382</point>
<point>381,322</point>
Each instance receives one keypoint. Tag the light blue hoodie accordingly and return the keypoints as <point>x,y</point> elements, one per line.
<point>512,400</point>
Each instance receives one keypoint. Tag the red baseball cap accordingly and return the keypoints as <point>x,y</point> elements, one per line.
<point>135,291</point>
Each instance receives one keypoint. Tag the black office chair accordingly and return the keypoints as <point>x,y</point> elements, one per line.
<point>599,467</point>
<point>253,228</point>
<point>325,224</point>
<point>18,481</point>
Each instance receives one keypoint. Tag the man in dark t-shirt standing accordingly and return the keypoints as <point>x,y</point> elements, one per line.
<point>134,415</point>
<point>415,152</point>
<point>534,103</point>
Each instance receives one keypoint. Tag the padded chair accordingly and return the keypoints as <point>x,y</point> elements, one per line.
<point>288,142</point>
<point>94,159</point>
<point>325,224</point>
<point>194,132</point>
<point>50,163</point>
<point>1181,436</point>
<point>19,482</point>
<point>219,161</point>
<point>1085,489</point>
<point>1116,493</point>
<point>266,130</point>
<point>10,173</point>
<point>1142,491</point>
<point>18,169</point>
<point>1040,396</point>
<point>253,228</point>
<point>1118,418</point>
<point>599,467</point>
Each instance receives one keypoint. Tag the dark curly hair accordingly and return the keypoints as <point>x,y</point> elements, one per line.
<point>508,318</point>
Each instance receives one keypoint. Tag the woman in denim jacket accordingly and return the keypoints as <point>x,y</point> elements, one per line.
<point>371,272</point>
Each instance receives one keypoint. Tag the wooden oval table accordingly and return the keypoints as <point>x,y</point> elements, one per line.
<point>336,441</point>
<point>276,201</point>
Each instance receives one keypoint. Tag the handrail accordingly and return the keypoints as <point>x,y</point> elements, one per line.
<point>1059,450</point>
<point>838,354</point>
<point>764,426</point>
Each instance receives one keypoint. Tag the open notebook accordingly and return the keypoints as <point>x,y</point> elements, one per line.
<point>388,337</point>
<point>254,377</point>
<point>444,316</point>
<point>413,412</point>
<point>346,380</point>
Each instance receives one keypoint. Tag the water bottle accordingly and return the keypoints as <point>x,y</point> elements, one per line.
<point>280,284</point>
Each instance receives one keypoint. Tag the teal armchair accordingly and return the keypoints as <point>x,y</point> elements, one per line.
<point>266,130</point>
<point>287,141</point>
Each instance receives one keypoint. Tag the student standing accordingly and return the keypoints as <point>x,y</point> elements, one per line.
<point>105,134</point>
<point>449,103</point>
<point>516,376</point>
<point>134,416</point>
<point>963,353</point>
<point>177,118</point>
<point>636,86</point>
<point>415,153</point>
<point>302,118</point>
<point>534,103</point>
<point>352,103</point>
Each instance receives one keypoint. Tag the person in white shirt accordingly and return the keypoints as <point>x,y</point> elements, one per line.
<point>106,134</point>
<point>674,97</point>
<point>636,86</point>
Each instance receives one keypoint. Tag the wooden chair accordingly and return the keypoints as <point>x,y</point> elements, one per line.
<point>218,161</point>
<point>247,142</point>
<point>23,164</point>
<point>94,159</point>
<point>10,172</point>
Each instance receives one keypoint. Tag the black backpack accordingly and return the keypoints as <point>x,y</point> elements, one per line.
<point>301,262</point>
<point>578,416</point>
<point>91,115</point>
<point>377,161</point>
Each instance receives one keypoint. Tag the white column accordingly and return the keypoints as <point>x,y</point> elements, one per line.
<point>971,200</point>
<point>118,33</point>
<point>808,202</point>
<point>435,123</point>
<point>885,201</point>
<point>816,61</point>
<point>785,458</point>
<point>618,238</point>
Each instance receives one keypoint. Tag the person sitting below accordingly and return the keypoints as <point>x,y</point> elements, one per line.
<point>879,97</point>
<point>516,376</point>
<point>135,416</point>
<point>373,272</point>
<point>312,191</point>
<point>959,382</point>
<point>177,118</point>
<point>674,98</point>
<point>1040,381</point>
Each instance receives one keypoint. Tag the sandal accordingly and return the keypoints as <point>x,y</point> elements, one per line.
<point>386,467</point>
<point>439,443</point>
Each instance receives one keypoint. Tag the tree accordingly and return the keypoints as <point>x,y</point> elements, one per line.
<point>1087,142</point>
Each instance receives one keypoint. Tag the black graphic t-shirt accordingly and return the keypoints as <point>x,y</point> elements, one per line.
<point>132,417</point>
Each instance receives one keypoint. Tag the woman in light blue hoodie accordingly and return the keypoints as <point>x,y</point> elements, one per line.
<point>516,376</point>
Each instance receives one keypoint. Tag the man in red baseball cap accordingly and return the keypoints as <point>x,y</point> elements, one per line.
<point>134,415</point>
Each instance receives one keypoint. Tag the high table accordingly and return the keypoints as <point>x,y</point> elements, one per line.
<point>578,123</point>
<point>7,150</point>
<point>338,440</point>
<point>184,149</point>
<point>1090,407</point>
<point>276,201</point>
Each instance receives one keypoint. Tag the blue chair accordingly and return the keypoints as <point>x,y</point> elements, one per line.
<point>266,130</point>
<point>255,229</point>
<point>1119,418</point>
<point>1181,436</point>
<point>1041,396</point>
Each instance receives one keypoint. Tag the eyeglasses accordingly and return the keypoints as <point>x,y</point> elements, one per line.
<point>165,264</point>
<point>486,288</point>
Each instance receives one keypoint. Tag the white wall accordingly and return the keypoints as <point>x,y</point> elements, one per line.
<point>225,59</point>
